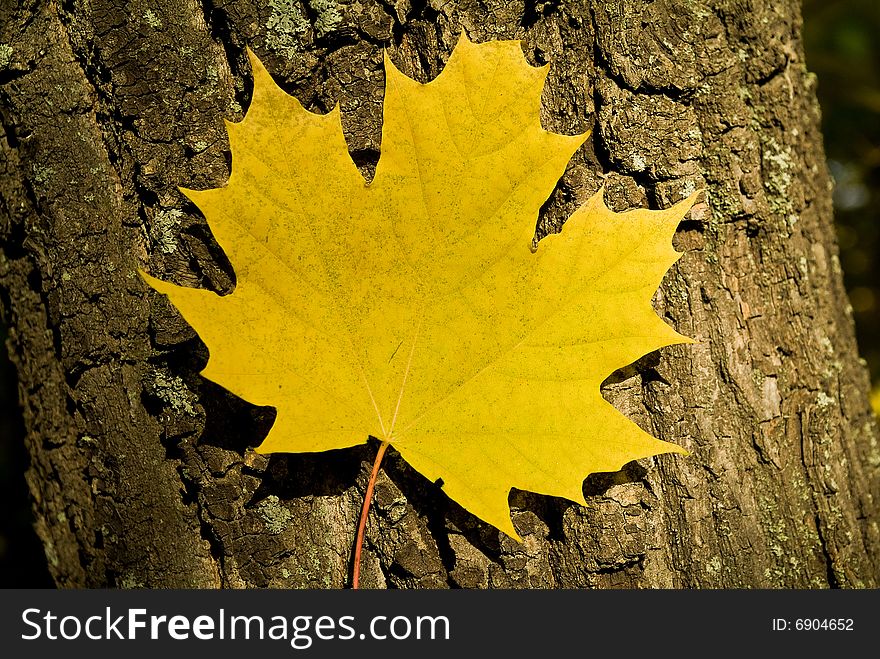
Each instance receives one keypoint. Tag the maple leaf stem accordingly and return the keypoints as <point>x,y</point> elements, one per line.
<point>362,524</point>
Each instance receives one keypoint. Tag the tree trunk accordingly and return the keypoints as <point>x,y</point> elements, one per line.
<point>143,474</point>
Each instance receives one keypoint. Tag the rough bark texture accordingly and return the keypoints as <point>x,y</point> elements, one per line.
<point>141,471</point>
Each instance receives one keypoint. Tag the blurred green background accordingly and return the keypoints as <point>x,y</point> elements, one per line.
<point>842,40</point>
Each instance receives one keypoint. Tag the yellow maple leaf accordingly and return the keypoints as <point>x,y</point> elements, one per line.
<point>412,308</point>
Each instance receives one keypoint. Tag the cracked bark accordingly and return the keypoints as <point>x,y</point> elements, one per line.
<point>141,471</point>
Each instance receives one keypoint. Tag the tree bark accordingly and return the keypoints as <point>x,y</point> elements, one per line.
<point>143,474</point>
